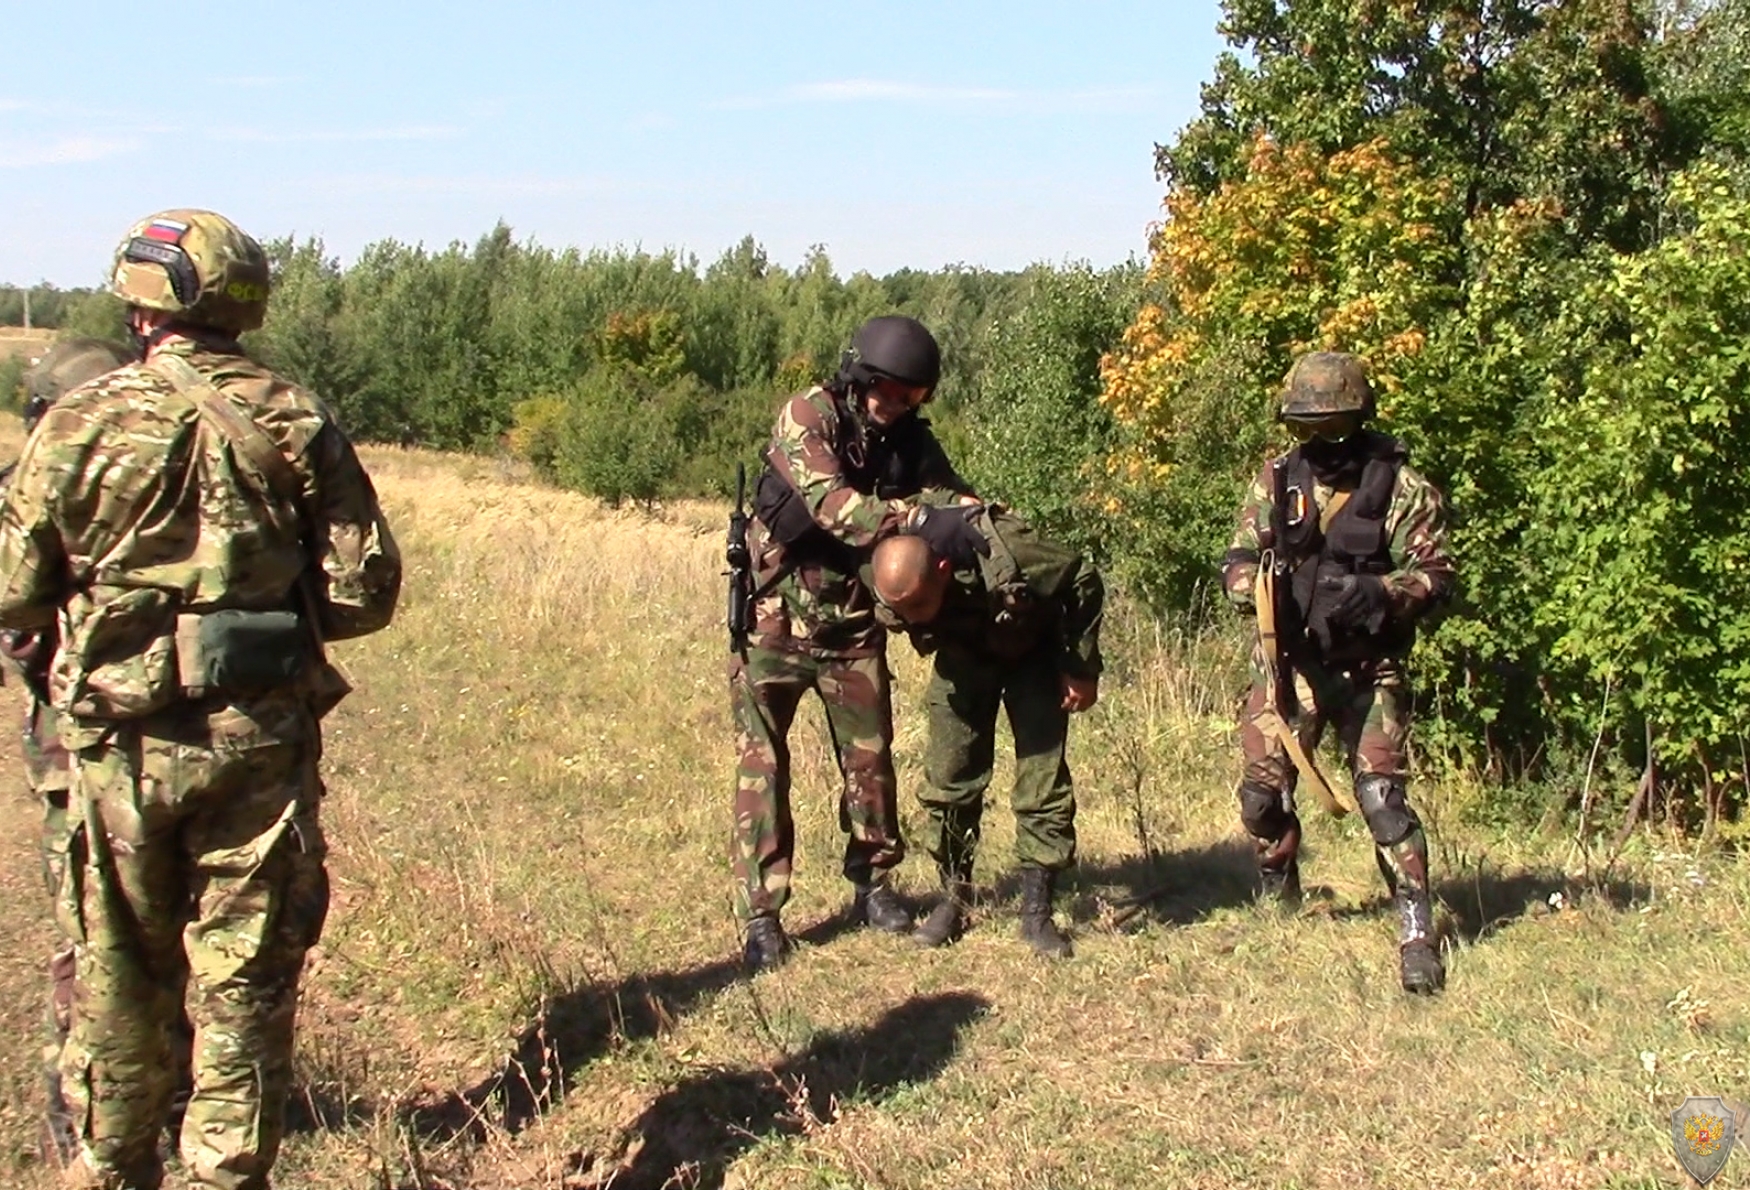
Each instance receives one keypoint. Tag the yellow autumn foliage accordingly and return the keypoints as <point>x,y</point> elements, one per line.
<point>1305,252</point>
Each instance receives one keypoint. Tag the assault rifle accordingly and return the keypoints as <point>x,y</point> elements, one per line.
<point>740,572</point>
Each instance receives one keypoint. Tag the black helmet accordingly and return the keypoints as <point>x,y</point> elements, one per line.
<point>895,346</point>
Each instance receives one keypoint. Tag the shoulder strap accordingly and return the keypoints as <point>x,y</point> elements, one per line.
<point>285,492</point>
<point>242,433</point>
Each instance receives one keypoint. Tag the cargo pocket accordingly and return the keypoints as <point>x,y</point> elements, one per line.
<point>119,662</point>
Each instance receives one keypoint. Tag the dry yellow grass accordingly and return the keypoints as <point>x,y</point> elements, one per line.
<point>528,977</point>
<point>15,340</point>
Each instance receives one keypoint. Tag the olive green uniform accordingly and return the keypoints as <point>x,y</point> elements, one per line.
<point>1005,636</point>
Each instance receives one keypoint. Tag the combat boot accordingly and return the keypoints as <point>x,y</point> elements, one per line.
<point>947,921</point>
<point>1037,928</point>
<point>1279,866</point>
<point>1280,885</point>
<point>767,945</point>
<point>878,906</point>
<point>1420,968</point>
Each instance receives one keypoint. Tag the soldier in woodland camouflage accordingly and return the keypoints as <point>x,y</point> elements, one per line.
<point>193,527</point>
<point>848,464</point>
<point>1351,542</point>
<point>1019,631</point>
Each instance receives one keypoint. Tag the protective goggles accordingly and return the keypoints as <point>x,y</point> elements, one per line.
<point>1333,427</point>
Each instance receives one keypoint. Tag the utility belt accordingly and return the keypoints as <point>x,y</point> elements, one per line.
<point>137,655</point>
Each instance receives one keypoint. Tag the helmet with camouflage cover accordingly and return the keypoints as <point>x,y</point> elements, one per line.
<point>67,365</point>
<point>196,265</point>
<point>1323,383</point>
<point>895,346</point>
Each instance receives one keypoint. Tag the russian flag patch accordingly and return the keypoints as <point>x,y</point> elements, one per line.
<point>165,231</point>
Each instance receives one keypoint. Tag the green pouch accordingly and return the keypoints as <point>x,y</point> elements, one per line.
<point>236,651</point>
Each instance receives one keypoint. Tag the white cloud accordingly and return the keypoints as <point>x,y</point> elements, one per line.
<point>62,150</point>
<point>411,132</point>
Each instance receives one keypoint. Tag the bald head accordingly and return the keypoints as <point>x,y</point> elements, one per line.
<point>909,578</point>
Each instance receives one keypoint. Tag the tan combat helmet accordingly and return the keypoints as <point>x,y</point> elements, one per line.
<point>196,265</point>
<point>67,365</point>
<point>1323,383</point>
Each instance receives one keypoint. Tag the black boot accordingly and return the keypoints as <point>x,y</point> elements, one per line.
<point>1405,867</point>
<point>1279,867</point>
<point>947,921</point>
<point>767,945</point>
<point>1420,968</point>
<point>1037,928</point>
<point>1280,885</point>
<point>879,907</point>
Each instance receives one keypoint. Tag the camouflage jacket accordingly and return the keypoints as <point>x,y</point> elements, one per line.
<point>819,604</point>
<point>128,509</point>
<point>1029,594</point>
<point>1415,568</point>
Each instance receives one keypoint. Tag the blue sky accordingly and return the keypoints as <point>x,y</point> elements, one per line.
<point>896,134</point>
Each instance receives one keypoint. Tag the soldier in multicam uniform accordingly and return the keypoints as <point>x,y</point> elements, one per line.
<point>67,365</point>
<point>1018,631</point>
<point>194,527</point>
<point>1352,540</point>
<point>850,462</point>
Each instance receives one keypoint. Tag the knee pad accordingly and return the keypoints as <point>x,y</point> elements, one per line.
<point>1262,811</point>
<point>1384,804</point>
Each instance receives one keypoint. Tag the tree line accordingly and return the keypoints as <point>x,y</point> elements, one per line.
<point>1531,216</point>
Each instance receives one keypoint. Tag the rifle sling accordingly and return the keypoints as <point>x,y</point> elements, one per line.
<point>1276,720</point>
<point>283,488</point>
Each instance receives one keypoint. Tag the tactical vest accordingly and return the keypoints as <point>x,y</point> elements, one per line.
<point>1355,540</point>
<point>884,463</point>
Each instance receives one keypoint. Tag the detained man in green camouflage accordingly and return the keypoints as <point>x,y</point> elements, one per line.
<point>193,528</point>
<point>1018,631</point>
<point>1340,549</point>
<point>67,365</point>
<point>850,463</point>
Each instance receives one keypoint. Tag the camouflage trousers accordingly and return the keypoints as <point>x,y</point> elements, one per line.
<point>49,771</point>
<point>766,686</point>
<point>194,880</point>
<point>965,693</point>
<point>1369,707</point>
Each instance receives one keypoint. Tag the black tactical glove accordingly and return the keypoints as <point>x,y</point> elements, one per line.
<point>950,534</point>
<point>1356,602</point>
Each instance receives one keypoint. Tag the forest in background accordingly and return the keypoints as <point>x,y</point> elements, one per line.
<point>1532,216</point>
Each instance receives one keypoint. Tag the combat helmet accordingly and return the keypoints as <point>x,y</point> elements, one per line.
<point>1324,383</point>
<point>67,365</point>
<point>895,346</point>
<point>196,265</point>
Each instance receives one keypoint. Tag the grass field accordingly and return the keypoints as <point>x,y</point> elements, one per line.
<point>529,973</point>
<point>15,340</point>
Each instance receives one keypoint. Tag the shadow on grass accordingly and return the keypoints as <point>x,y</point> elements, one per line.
<point>576,1026</point>
<point>691,1134</point>
<point>1174,887</point>
<point>1484,899</point>
<point>1480,899</point>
